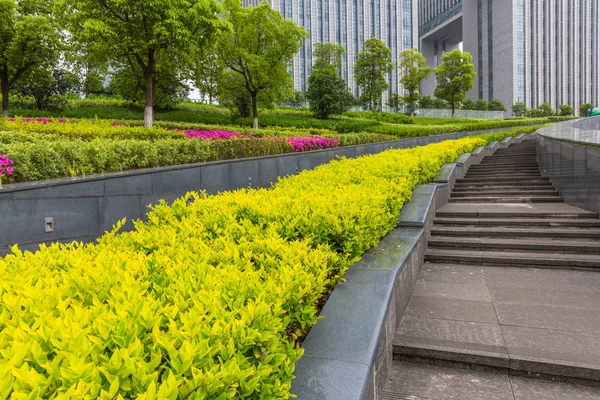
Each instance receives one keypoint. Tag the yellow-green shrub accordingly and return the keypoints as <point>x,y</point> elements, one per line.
<point>205,299</point>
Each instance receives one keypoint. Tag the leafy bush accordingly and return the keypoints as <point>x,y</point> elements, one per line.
<point>39,158</point>
<point>206,299</point>
<point>391,118</point>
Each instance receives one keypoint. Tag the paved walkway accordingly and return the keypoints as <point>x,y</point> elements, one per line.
<point>510,287</point>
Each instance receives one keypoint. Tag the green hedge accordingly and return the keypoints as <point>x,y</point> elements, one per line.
<point>38,158</point>
<point>392,118</point>
<point>206,299</point>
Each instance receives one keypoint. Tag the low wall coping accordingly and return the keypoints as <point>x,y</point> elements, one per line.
<point>583,131</point>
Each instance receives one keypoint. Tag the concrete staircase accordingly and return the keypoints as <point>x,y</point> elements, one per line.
<point>497,294</point>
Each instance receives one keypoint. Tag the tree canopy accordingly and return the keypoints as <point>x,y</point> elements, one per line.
<point>455,77</point>
<point>330,54</point>
<point>373,65</point>
<point>413,70</point>
<point>258,50</point>
<point>496,105</point>
<point>138,35</point>
<point>29,39</point>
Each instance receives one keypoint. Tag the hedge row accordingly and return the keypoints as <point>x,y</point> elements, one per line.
<point>207,298</point>
<point>39,158</point>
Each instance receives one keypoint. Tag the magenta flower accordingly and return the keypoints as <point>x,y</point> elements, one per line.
<point>213,135</point>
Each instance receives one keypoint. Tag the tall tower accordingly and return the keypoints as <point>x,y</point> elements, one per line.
<point>349,23</point>
<point>532,51</point>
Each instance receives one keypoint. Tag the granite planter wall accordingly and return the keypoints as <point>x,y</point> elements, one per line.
<point>83,208</point>
<point>348,353</point>
<point>569,154</point>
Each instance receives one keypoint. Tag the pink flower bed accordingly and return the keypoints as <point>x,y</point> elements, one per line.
<point>213,135</point>
<point>39,120</point>
<point>312,143</point>
<point>4,165</point>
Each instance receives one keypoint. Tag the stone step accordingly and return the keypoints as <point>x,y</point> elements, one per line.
<point>496,176</point>
<point>496,169</point>
<point>515,259</point>
<point>504,193</point>
<point>561,246</point>
<point>507,199</point>
<point>503,189</point>
<point>506,179</point>
<point>516,232</point>
<point>503,186</point>
<point>511,221</point>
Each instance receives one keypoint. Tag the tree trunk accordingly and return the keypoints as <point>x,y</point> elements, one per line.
<point>452,110</point>
<point>4,89</point>
<point>148,106</point>
<point>254,110</point>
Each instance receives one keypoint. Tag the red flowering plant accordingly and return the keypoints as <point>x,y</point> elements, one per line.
<point>5,167</point>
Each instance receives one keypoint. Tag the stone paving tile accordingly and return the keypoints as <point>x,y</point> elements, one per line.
<point>537,389</point>
<point>456,291</point>
<point>571,319</point>
<point>545,279</point>
<point>526,209</point>
<point>543,296</point>
<point>419,381</point>
<point>449,273</point>
<point>556,346</point>
<point>455,336</point>
<point>450,309</point>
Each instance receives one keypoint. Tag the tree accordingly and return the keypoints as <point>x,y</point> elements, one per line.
<point>395,102</point>
<point>296,99</point>
<point>480,105</point>
<point>259,48</point>
<point>455,77</point>
<point>138,34</point>
<point>372,66</point>
<point>413,70</point>
<point>48,87</point>
<point>207,72</point>
<point>468,104</point>
<point>566,110</point>
<point>330,54</point>
<point>426,102</point>
<point>519,109</point>
<point>439,104</point>
<point>169,86</point>
<point>545,110</point>
<point>327,92</point>
<point>29,38</point>
<point>496,105</point>
<point>584,108</point>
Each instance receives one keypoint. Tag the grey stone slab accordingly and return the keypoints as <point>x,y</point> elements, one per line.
<point>243,174</point>
<point>465,340</point>
<point>446,173</point>
<point>478,150</point>
<point>23,220</point>
<point>78,188</point>
<point>538,389</point>
<point>389,255</point>
<point>549,296</point>
<point>287,165</point>
<point>463,158</point>
<point>415,212</point>
<point>114,208</point>
<point>549,280</point>
<point>454,291</point>
<point>268,173</point>
<point>450,309</point>
<point>428,382</point>
<point>449,273</point>
<point>572,319</point>
<point>324,379</point>
<point>214,178</point>
<point>352,324</point>
<point>129,185</point>
<point>552,346</point>
<point>176,181</point>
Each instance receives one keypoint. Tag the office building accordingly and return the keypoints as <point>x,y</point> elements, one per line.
<point>349,23</point>
<point>532,51</point>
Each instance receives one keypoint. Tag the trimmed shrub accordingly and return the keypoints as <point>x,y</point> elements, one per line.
<point>207,298</point>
